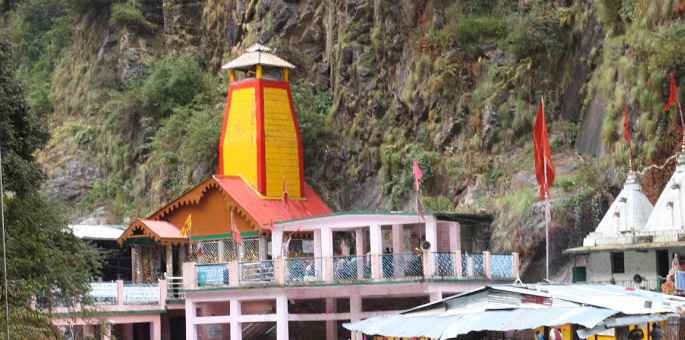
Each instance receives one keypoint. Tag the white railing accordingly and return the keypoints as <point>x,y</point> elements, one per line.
<point>174,288</point>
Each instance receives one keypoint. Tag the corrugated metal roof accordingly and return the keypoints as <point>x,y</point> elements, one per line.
<point>588,305</point>
<point>265,211</point>
<point>446,327</point>
<point>623,247</point>
<point>106,232</point>
<point>257,54</point>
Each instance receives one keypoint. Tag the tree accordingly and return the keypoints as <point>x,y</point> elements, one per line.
<point>44,259</point>
<point>22,132</point>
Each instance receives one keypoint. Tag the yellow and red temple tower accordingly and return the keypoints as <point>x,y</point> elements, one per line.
<point>260,139</point>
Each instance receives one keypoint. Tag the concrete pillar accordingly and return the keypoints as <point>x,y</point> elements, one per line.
<point>397,239</point>
<point>435,296</point>
<point>457,265</point>
<point>120,294</point>
<point>331,326</point>
<point>236,327</point>
<point>361,254</point>
<point>263,244</point>
<point>282,318</point>
<point>487,264</point>
<point>318,251</point>
<point>432,233</point>
<point>156,329</point>
<point>455,237</point>
<point>355,307</point>
<point>234,273</point>
<point>169,260</point>
<point>398,248</point>
<point>376,243</point>
<point>277,242</point>
<point>191,315</point>
<point>515,264</point>
<point>327,253</point>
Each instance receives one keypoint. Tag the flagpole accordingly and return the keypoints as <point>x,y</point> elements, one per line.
<point>4,249</point>
<point>547,217</point>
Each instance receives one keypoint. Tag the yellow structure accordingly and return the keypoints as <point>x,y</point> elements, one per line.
<point>260,139</point>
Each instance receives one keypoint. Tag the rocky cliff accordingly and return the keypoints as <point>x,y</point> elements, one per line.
<point>135,96</point>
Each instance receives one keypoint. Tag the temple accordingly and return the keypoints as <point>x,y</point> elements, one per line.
<point>254,253</point>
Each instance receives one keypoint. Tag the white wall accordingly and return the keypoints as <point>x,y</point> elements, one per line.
<point>599,266</point>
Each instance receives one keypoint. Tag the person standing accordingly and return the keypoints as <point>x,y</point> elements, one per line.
<point>539,336</point>
<point>555,334</point>
<point>657,333</point>
<point>636,333</point>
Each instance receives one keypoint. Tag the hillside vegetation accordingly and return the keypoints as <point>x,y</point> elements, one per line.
<point>135,97</point>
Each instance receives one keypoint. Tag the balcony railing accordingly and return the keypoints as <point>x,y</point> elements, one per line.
<point>347,269</point>
<point>124,295</point>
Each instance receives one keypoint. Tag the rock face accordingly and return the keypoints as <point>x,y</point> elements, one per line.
<point>392,89</point>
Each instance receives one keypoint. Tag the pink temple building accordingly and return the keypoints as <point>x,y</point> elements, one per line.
<point>297,270</point>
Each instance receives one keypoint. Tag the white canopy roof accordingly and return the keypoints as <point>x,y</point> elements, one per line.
<point>508,307</point>
<point>107,232</point>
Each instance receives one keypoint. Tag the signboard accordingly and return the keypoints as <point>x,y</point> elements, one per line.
<point>308,246</point>
<point>141,294</point>
<point>213,331</point>
<point>103,290</point>
<point>212,274</point>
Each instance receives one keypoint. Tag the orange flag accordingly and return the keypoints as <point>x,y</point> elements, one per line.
<point>672,96</point>
<point>544,167</point>
<point>626,125</point>
<point>236,232</point>
<point>285,191</point>
<point>187,226</point>
<point>418,174</point>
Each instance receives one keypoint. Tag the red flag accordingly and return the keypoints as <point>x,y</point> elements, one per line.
<point>287,245</point>
<point>271,225</point>
<point>298,228</point>
<point>626,126</point>
<point>236,232</point>
<point>417,175</point>
<point>673,95</point>
<point>285,191</point>
<point>200,253</point>
<point>544,167</point>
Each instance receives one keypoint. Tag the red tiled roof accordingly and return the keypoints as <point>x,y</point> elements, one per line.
<point>266,210</point>
<point>162,231</point>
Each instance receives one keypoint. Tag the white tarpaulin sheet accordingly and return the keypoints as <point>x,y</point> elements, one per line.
<point>593,306</point>
<point>445,327</point>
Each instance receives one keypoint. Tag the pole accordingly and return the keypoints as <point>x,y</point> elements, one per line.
<point>547,218</point>
<point>4,249</point>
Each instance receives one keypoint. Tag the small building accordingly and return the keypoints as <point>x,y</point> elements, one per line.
<point>635,244</point>
<point>253,252</point>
